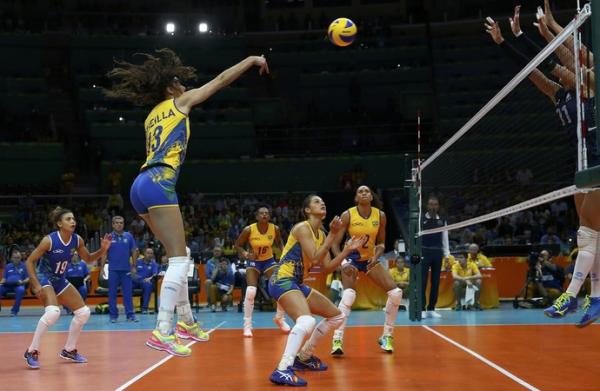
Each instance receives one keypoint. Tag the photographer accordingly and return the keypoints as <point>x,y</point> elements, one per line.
<point>545,278</point>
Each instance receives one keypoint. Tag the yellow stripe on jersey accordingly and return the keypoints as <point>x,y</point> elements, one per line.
<point>167,134</point>
<point>369,227</point>
<point>262,244</point>
<point>293,262</point>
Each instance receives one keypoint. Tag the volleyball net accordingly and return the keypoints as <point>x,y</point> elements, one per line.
<point>521,148</point>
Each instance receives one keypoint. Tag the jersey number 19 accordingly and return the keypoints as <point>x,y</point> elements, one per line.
<point>61,267</point>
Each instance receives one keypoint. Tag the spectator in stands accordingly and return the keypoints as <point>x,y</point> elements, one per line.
<point>114,203</point>
<point>549,278</point>
<point>222,283</point>
<point>550,237</point>
<point>119,256</point>
<point>146,269</point>
<point>78,274</point>
<point>164,264</point>
<point>400,273</point>
<point>14,279</point>
<point>211,265</point>
<point>465,274</point>
<point>478,258</point>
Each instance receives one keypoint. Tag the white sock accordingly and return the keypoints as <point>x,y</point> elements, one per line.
<point>587,241</point>
<point>322,329</point>
<point>80,318</point>
<point>184,309</point>
<point>51,315</point>
<point>304,326</point>
<point>249,305</point>
<point>391,310</point>
<point>173,282</point>
<point>348,297</point>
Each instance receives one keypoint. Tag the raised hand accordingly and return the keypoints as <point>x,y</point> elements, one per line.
<point>515,23</point>
<point>335,225</point>
<point>541,23</point>
<point>548,12</point>
<point>106,242</point>
<point>493,28</point>
<point>261,63</point>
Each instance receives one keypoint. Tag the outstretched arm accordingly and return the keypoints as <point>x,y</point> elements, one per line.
<point>85,254</point>
<point>351,245</point>
<point>588,56</point>
<point>337,240</point>
<point>196,96</point>
<point>304,236</point>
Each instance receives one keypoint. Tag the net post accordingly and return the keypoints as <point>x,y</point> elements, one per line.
<point>595,19</point>
<point>415,286</point>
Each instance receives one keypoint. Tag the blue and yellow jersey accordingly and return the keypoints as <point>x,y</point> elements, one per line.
<point>369,227</point>
<point>262,244</point>
<point>167,134</point>
<point>292,263</point>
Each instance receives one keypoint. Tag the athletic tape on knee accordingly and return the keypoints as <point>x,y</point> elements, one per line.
<point>250,293</point>
<point>51,315</point>
<point>82,315</point>
<point>587,240</point>
<point>395,296</point>
<point>348,297</point>
<point>305,323</point>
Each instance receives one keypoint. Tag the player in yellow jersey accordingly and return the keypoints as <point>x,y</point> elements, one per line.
<point>306,246</point>
<point>157,83</point>
<point>364,219</point>
<point>261,236</point>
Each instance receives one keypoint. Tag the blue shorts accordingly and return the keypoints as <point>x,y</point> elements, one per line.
<point>278,288</point>
<point>355,261</point>
<point>262,266</point>
<point>59,284</point>
<point>152,188</point>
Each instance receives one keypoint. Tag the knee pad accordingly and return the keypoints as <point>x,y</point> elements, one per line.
<point>51,315</point>
<point>82,315</point>
<point>250,293</point>
<point>587,240</point>
<point>348,297</point>
<point>306,323</point>
<point>177,270</point>
<point>395,296</point>
<point>336,321</point>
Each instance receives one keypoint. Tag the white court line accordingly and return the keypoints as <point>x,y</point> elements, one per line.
<point>161,362</point>
<point>483,359</point>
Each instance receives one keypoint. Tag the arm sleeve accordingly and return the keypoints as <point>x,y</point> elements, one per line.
<point>24,275</point>
<point>154,268</point>
<point>86,271</point>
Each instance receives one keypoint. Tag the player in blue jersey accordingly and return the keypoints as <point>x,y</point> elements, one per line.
<point>50,285</point>
<point>563,96</point>
<point>157,84</point>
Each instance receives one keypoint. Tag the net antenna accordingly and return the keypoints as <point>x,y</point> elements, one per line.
<point>437,170</point>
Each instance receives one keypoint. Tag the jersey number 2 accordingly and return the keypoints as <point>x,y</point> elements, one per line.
<point>61,267</point>
<point>366,245</point>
